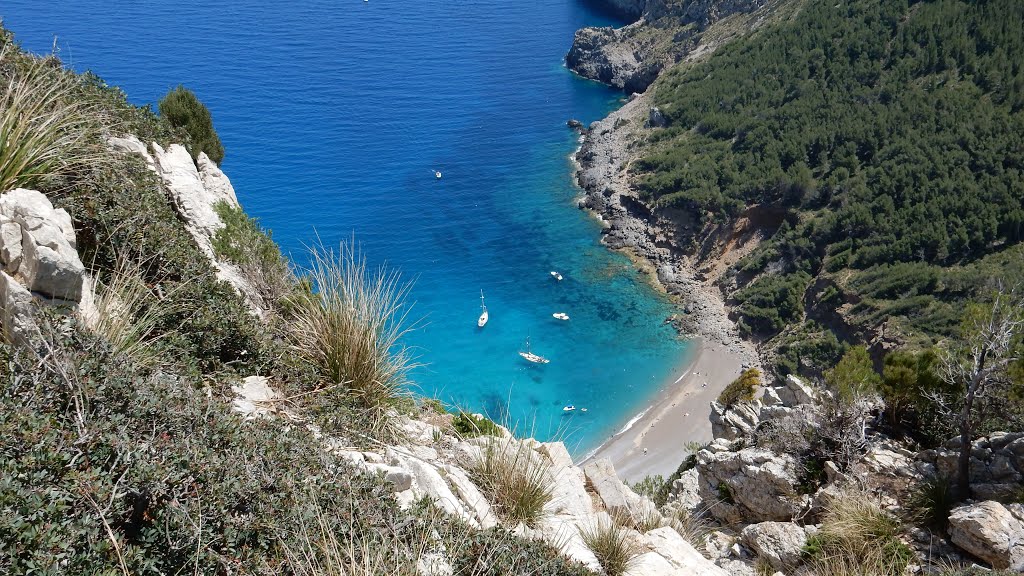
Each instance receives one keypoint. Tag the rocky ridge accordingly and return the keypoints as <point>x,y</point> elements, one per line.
<point>667,32</point>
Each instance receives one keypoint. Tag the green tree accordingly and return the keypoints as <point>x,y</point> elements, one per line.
<point>854,375</point>
<point>183,110</point>
<point>742,388</point>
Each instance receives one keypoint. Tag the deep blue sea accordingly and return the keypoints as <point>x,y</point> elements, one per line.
<point>335,116</point>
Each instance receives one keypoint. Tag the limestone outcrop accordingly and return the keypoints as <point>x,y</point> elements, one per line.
<point>996,465</point>
<point>780,543</point>
<point>750,485</point>
<point>992,532</point>
<point>39,259</point>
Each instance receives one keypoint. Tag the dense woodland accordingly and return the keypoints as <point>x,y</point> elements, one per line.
<point>891,135</point>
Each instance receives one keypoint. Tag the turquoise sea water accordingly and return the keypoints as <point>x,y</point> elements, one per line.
<point>335,116</point>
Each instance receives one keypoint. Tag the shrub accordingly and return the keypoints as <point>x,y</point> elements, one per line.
<point>243,242</point>
<point>45,130</point>
<point>350,330</point>
<point>470,425</point>
<point>854,375</point>
<point>515,478</point>
<point>182,109</point>
<point>654,487</point>
<point>613,545</point>
<point>857,538</point>
<point>741,389</point>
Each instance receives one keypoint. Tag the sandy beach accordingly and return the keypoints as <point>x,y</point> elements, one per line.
<point>678,415</point>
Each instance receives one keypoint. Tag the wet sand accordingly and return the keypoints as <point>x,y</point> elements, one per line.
<point>656,442</point>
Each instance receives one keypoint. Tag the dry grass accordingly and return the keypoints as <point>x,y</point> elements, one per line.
<point>693,526</point>
<point>44,129</point>
<point>350,326</point>
<point>613,545</point>
<point>515,478</point>
<point>858,538</point>
<point>128,312</point>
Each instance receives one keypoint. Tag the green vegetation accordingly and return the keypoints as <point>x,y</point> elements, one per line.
<point>741,389</point>
<point>854,375</point>
<point>183,110</point>
<point>515,480</point>
<point>885,139</point>
<point>614,547</point>
<point>857,538</point>
<point>931,502</point>
<point>470,426</point>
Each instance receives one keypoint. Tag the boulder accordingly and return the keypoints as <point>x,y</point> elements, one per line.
<point>471,497</point>
<point>736,421</point>
<point>47,262</point>
<point>686,491</point>
<point>650,564</point>
<point>991,532</point>
<point>796,391</point>
<point>656,119</point>
<point>668,544</point>
<point>618,499</point>
<point>751,485</point>
<point>780,543</point>
<point>132,145</point>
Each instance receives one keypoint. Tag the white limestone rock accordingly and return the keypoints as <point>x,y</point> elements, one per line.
<point>618,499</point>
<point>16,312</point>
<point>132,145</point>
<point>668,544</point>
<point>751,485</point>
<point>10,244</point>
<point>780,543</point>
<point>991,532</point>
<point>193,201</point>
<point>255,397</point>
<point>471,496</point>
<point>49,263</point>
<point>796,391</point>
<point>651,564</point>
<point>215,181</point>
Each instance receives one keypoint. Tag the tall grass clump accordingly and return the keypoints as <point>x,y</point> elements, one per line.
<point>515,478</point>
<point>129,314</point>
<point>44,130</point>
<point>858,538</point>
<point>349,328</point>
<point>613,545</point>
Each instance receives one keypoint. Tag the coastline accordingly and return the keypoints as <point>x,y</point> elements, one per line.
<point>677,416</point>
<point>679,413</point>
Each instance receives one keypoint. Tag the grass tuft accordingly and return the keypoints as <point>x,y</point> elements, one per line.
<point>350,326</point>
<point>515,478</point>
<point>613,545</point>
<point>44,129</point>
<point>858,538</point>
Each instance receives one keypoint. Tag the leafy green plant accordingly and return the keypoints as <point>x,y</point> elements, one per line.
<point>350,329</point>
<point>854,375</point>
<point>725,493</point>
<point>243,242</point>
<point>44,129</point>
<point>654,487</point>
<point>182,109</point>
<point>613,545</point>
<point>741,389</point>
<point>470,425</point>
<point>515,478</point>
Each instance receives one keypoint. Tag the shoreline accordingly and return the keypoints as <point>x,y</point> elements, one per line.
<point>677,416</point>
<point>679,413</point>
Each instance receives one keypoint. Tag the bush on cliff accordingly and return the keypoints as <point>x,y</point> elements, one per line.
<point>741,389</point>
<point>183,110</point>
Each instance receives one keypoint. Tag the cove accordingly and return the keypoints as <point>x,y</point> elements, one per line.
<point>335,117</point>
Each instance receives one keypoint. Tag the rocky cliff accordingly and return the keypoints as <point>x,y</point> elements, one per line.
<point>667,32</point>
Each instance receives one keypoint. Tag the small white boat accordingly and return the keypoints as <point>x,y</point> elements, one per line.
<point>561,315</point>
<point>556,275</point>
<point>531,357</point>
<point>568,408</point>
<point>583,409</point>
<point>483,315</point>
<point>437,174</point>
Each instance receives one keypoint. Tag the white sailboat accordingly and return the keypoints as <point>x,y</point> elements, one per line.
<point>483,315</point>
<point>530,356</point>
<point>561,315</point>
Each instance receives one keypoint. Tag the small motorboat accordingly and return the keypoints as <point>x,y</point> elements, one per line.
<point>561,315</point>
<point>568,408</point>
<point>556,275</point>
<point>531,357</point>
<point>437,174</point>
<point>483,315</point>
<point>583,409</point>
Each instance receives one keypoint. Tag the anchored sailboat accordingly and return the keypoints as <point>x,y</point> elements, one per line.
<point>483,315</point>
<point>530,356</point>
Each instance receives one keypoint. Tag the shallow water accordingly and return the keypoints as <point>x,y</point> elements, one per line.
<point>335,117</point>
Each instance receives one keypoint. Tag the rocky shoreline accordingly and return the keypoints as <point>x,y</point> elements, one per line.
<point>602,163</point>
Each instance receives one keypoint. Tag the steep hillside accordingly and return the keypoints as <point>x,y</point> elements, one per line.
<point>852,173</point>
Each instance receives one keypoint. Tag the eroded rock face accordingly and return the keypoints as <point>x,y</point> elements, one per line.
<point>990,531</point>
<point>996,465</point>
<point>618,499</point>
<point>39,245</point>
<point>736,421</point>
<point>751,485</point>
